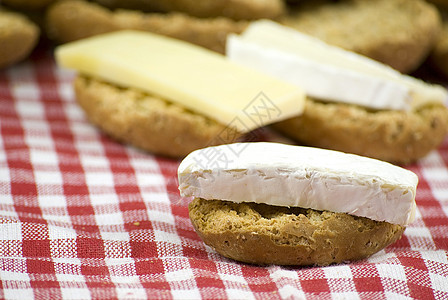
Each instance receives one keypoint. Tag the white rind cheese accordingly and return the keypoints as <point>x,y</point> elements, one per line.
<point>286,175</point>
<point>194,77</point>
<point>327,72</point>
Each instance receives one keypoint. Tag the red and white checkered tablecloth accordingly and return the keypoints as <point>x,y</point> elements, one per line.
<point>83,217</point>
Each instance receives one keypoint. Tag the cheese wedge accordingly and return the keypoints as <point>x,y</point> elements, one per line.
<point>327,72</point>
<point>194,77</point>
<point>286,175</point>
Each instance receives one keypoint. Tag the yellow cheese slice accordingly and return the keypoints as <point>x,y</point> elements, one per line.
<point>194,77</point>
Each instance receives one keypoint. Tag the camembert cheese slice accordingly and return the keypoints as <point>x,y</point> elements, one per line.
<point>327,72</point>
<point>286,175</point>
<point>196,78</point>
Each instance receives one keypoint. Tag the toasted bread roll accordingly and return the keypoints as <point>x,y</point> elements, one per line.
<point>395,136</point>
<point>18,37</point>
<point>146,121</point>
<point>265,234</point>
<point>72,20</point>
<point>399,33</point>
<point>234,9</point>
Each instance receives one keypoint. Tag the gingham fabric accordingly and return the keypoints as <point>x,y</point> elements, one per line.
<point>83,217</point>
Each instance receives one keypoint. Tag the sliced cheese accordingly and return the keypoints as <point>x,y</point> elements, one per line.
<point>286,175</point>
<point>194,77</point>
<point>327,72</point>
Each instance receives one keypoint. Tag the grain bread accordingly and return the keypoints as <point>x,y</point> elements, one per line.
<point>18,37</point>
<point>234,9</point>
<point>394,136</point>
<point>72,20</point>
<point>265,234</point>
<point>147,122</point>
<point>399,33</point>
<point>66,21</point>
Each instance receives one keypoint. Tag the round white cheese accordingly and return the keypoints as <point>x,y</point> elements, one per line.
<point>328,72</point>
<point>286,175</point>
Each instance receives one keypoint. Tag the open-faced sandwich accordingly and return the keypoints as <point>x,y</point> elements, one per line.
<point>270,203</point>
<point>354,104</point>
<point>171,97</point>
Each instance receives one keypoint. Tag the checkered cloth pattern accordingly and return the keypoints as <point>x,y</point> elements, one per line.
<point>83,217</point>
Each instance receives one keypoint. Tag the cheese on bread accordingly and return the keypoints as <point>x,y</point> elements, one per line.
<point>286,175</point>
<point>327,72</point>
<point>196,78</point>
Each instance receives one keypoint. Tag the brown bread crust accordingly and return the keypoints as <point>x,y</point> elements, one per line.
<point>399,33</point>
<point>18,37</point>
<point>72,20</point>
<point>264,234</point>
<point>394,136</point>
<point>233,9</point>
<point>67,21</point>
<point>147,122</point>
